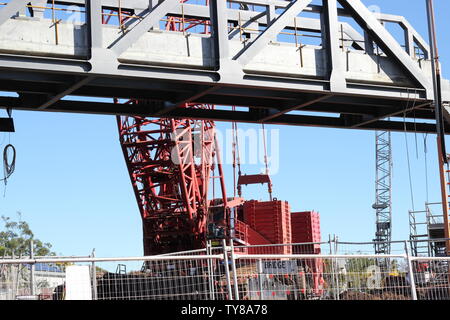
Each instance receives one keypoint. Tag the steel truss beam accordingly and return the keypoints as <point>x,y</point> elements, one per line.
<point>153,16</point>
<point>292,10</point>
<point>345,121</point>
<point>227,74</point>
<point>385,40</point>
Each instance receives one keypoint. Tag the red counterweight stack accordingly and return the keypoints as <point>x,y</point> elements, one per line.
<point>272,220</point>
<point>306,228</point>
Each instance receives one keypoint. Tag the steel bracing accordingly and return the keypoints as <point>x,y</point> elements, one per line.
<point>427,231</point>
<point>286,62</point>
<point>383,192</point>
<point>170,162</point>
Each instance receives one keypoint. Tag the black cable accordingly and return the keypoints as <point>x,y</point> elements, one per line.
<point>8,166</point>
<point>425,149</point>
<point>415,125</point>
<point>411,190</point>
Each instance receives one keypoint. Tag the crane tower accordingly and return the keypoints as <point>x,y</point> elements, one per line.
<point>383,203</point>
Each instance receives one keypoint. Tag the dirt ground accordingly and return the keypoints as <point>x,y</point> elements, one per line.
<point>436,293</point>
<point>354,295</point>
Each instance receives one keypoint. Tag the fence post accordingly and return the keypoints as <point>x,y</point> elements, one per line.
<point>233,268</point>
<point>332,266</point>
<point>411,272</point>
<point>94,277</point>
<point>14,279</point>
<point>333,249</point>
<point>211,276</point>
<point>260,280</point>
<point>32,291</point>
<point>227,270</point>
<point>336,245</point>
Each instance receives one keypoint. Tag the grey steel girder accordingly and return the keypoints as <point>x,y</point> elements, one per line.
<point>274,58</point>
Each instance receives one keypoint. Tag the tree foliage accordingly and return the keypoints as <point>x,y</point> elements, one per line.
<point>15,238</point>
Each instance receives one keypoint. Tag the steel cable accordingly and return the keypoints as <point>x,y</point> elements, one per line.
<point>415,126</point>
<point>8,166</point>
<point>425,149</point>
<point>407,152</point>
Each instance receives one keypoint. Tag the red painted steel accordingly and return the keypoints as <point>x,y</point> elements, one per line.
<point>247,234</point>
<point>170,178</point>
<point>253,179</point>
<point>271,219</point>
<point>306,228</point>
<point>170,163</point>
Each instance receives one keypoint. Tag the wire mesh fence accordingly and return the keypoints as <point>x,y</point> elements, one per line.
<point>432,278</point>
<point>278,279</point>
<point>312,271</point>
<point>166,280</point>
<point>343,247</point>
<point>30,281</point>
<point>294,248</point>
<point>324,277</point>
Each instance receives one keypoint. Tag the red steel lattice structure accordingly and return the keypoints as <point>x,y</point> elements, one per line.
<point>170,163</point>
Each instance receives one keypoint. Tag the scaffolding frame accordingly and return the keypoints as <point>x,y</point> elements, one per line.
<point>427,230</point>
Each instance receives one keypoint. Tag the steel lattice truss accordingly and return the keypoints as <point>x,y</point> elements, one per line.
<point>287,62</point>
<point>383,203</point>
<point>170,163</point>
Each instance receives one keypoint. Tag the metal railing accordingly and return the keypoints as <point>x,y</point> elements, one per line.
<point>330,270</point>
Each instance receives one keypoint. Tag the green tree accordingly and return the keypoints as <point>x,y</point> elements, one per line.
<point>15,238</point>
<point>357,272</point>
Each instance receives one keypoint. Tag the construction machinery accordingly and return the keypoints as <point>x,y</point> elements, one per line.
<point>170,162</point>
<point>173,161</point>
<point>383,203</point>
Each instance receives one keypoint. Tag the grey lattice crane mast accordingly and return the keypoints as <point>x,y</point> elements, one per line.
<point>383,192</point>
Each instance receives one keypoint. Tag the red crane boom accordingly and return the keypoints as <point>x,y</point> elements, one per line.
<point>170,163</point>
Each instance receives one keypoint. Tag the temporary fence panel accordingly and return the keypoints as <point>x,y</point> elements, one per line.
<point>343,278</point>
<point>203,279</point>
<point>343,247</point>
<point>432,277</point>
<point>16,281</point>
<point>248,272</point>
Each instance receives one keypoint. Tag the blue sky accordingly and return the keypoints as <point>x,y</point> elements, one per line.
<point>71,183</point>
